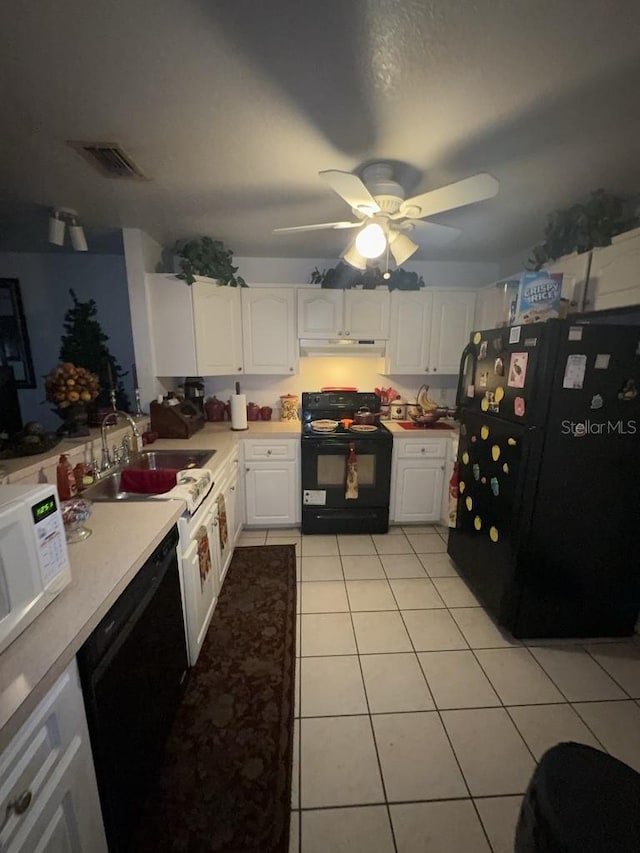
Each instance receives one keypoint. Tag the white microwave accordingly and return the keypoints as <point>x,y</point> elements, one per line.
<point>34,561</point>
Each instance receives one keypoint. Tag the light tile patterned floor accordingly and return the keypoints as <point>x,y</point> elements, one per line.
<point>419,721</point>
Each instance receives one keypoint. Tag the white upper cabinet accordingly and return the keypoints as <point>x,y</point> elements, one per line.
<point>197,330</point>
<point>218,328</point>
<point>429,330</point>
<point>357,314</point>
<point>453,312</point>
<point>171,321</point>
<point>268,330</point>
<point>614,280</point>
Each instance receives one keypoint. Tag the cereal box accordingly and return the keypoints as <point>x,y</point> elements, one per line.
<point>538,297</point>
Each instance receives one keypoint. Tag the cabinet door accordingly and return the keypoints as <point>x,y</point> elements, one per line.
<point>451,325</point>
<point>575,271</point>
<point>271,493</point>
<point>171,325</point>
<point>218,329</point>
<point>418,491</point>
<point>268,330</point>
<point>409,344</point>
<point>366,314</point>
<point>614,279</point>
<point>320,313</point>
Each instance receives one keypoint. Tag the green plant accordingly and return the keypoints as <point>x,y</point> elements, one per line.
<point>343,277</point>
<point>207,257</point>
<point>582,226</point>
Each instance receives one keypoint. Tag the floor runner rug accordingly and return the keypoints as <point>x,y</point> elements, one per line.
<point>225,783</point>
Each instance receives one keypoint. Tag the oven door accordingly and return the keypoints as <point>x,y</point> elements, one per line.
<point>324,472</point>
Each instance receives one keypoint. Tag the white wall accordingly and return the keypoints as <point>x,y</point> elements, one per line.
<point>45,279</point>
<point>365,373</point>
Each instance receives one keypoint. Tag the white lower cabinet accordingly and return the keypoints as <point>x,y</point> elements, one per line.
<point>417,480</point>
<point>272,482</point>
<point>48,793</point>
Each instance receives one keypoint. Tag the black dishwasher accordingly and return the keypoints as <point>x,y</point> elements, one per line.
<point>133,671</point>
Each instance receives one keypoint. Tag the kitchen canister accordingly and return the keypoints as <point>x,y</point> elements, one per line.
<point>289,407</point>
<point>398,410</point>
<point>413,409</point>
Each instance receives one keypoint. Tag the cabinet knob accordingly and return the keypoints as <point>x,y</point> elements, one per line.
<point>422,450</point>
<point>233,488</point>
<point>215,522</point>
<point>348,332</point>
<point>18,804</point>
<point>239,369</point>
<point>247,470</point>
<point>291,369</point>
<point>269,452</point>
<point>435,369</point>
<point>426,369</point>
<point>340,333</point>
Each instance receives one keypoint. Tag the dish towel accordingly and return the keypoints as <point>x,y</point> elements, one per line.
<point>204,555</point>
<point>222,522</point>
<point>351,492</point>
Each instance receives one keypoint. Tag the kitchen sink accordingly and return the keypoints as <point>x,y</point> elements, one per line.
<point>156,460</point>
<point>109,486</point>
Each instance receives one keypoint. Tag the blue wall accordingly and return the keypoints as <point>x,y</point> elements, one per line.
<point>45,280</point>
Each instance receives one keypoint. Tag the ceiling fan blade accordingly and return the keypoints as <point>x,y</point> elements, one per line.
<point>467,191</point>
<point>318,227</point>
<point>430,233</point>
<point>350,188</point>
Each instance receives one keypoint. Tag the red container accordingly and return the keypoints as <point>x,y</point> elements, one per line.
<point>265,413</point>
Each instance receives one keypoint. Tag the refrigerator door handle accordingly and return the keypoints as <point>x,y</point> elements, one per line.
<point>470,351</point>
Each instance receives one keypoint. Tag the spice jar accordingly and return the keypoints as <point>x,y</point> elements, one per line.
<point>289,407</point>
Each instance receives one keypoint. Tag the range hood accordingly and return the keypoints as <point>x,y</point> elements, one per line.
<point>344,347</point>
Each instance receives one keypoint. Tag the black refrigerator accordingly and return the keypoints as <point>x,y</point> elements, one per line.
<point>548,514</point>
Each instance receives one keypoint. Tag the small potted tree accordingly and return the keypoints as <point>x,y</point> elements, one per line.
<point>207,257</point>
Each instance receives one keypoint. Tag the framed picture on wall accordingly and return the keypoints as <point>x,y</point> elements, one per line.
<point>15,351</point>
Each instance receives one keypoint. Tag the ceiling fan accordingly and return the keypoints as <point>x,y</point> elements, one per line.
<point>389,221</point>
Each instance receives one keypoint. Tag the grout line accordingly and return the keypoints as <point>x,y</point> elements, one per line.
<point>615,681</point>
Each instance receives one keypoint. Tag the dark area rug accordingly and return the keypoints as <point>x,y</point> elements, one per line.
<point>225,784</point>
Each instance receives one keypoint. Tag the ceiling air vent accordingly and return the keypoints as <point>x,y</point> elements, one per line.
<point>110,159</point>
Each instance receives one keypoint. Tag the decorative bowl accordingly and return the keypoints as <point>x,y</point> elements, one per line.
<point>74,513</point>
<point>427,418</point>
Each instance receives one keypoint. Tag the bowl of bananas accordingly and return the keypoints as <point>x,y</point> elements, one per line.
<point>426,412</point>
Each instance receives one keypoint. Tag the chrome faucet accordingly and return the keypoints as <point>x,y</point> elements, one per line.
<point>136,441</point>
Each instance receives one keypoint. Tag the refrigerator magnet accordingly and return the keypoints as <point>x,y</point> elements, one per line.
<point>477,338</point>
<point>628,391</point>
<point>498,367</point>
<point>484,404</point>
<point>596,402</point>
<point>483,350</point>
<point>484,378</point>
<point>468,503</point>
<point>499,394</point>
<point>505,467</point>
<point>518,369</point>
<point>495,486</point>
<point>483,480</point>
<point>477,522</point>
<point>476,472</point>
<point>575,333</point>
<point>484,433</point>
<point>474,438</point>
<point>462,486</point>
<point>493,534</point>
<point>574,371</point>
<point>465,458</point>
<point>602,361</point>
<point>511,442</point>
<point>514,335</point>
<point>519,407</point>
<point>495,453</point>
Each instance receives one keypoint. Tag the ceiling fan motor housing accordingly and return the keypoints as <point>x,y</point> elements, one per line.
<point>388,193</point>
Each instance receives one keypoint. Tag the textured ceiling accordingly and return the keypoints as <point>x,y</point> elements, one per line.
<point>232,107</point>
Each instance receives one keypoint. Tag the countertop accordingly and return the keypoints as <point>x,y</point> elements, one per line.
<point>123,536</point>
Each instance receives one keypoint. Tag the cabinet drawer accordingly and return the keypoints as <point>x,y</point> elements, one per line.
<point>28,763</point>
<point>435,448</point>
<point>256,450</point>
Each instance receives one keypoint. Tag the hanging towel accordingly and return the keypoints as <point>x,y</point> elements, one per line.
<point>351,492</point>
<point>204,555</point>
<point>222,523</point>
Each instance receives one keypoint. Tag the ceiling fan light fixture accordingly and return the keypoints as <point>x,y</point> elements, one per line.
<point>371,241</point>
<point>402,247</point>
<point>78,240</point>
<point>353,257</point>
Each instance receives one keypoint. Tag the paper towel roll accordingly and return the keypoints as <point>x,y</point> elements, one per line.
<point>238,411</point>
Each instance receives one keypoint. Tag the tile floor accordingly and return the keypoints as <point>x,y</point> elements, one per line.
<point>418,721</point>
